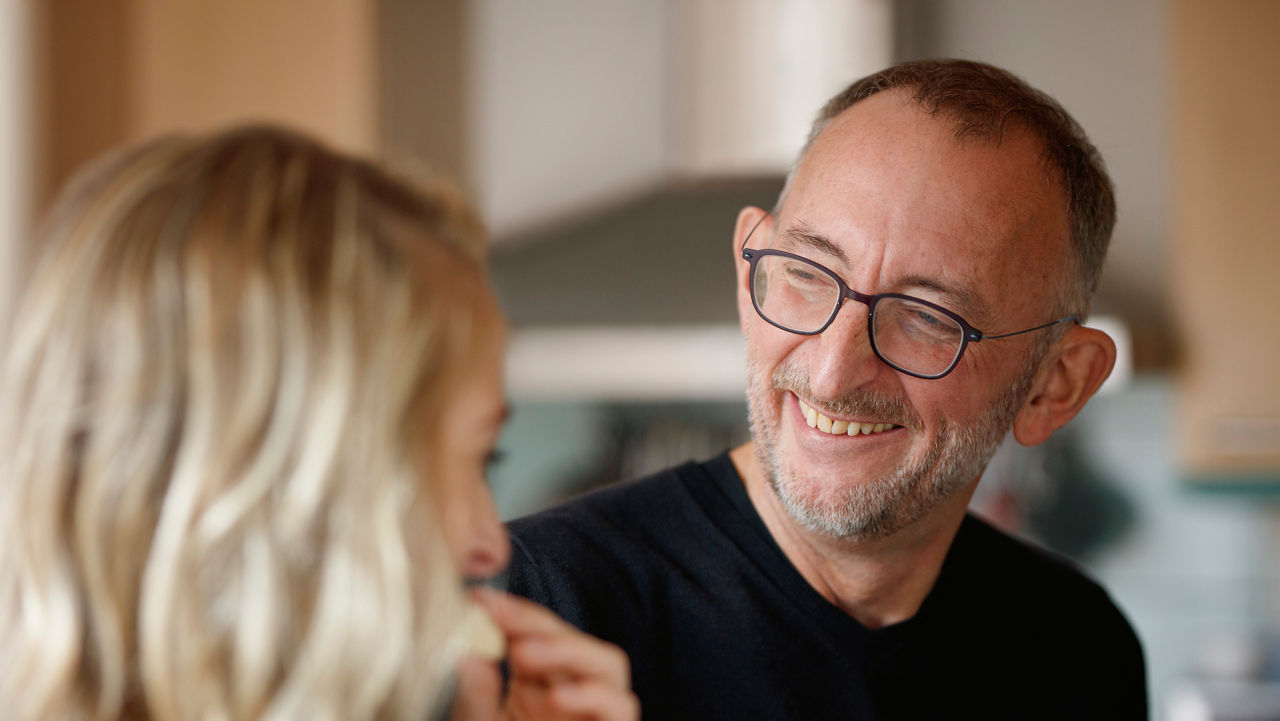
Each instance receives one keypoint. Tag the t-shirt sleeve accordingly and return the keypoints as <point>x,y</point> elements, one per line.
<point>1099,651</point>
<point>534,576</point>
<point>524,577</point>
<point>1063,647</point>
<point>1121,674</point>
<point>1100,661</point>
<point>579,571</point>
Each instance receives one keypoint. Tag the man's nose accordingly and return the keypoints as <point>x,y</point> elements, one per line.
<point>843,359</point>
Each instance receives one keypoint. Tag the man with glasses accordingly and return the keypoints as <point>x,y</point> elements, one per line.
<point>916,294</point>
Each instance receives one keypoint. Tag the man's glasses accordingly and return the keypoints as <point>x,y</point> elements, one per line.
<point>911,335</point>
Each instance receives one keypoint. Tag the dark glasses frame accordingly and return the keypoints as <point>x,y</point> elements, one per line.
<point>969,333</point>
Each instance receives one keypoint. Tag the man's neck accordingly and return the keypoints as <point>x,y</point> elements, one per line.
<point>880,581</point>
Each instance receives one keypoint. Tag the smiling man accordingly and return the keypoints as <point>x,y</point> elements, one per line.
<point>917,293</point>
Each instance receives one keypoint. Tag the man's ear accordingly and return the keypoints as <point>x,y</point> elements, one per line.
<point>748,218</point>
<point>1071,373</point>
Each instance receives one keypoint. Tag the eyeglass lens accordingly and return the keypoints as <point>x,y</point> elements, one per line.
<point>802,297</point>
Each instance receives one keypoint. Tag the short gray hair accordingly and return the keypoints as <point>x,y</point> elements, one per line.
<point>981,100</point>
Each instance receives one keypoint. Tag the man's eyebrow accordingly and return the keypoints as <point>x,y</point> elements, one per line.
<point>800,234</point>
<point>960,299</point>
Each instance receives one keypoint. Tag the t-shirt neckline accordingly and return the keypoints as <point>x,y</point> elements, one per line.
<point>726,502</point>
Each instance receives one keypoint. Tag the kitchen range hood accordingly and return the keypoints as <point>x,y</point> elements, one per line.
<point>634,302</point>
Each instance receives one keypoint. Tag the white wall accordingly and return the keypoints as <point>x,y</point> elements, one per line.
<point>577,104</point>
<point>753,73</point>
<point>15,139</point>
<point>568,105</point>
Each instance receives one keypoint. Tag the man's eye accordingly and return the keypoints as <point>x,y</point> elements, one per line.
<point>803,276</point>
<point>927,318</point>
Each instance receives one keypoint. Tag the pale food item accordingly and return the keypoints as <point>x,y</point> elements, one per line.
<point>483,637</point>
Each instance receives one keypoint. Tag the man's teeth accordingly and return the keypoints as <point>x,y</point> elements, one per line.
<point>840,428</point>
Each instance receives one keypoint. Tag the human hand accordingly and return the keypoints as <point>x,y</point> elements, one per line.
<point>557,672</point>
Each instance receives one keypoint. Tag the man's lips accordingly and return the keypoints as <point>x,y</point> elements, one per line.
<point>841,427</point>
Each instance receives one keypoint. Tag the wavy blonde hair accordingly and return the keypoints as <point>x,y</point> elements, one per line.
<point>217,402</point>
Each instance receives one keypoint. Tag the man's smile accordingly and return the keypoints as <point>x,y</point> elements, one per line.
<point>837,427</point>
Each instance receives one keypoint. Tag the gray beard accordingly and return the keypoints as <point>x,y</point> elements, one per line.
<point>879,507</point>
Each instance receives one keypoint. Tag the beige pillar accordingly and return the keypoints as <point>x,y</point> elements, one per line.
<point>115,72</point>
<point>1226,284</point>
<point>16,104</point>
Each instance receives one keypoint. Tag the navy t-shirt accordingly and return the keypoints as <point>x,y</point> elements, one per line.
<point>679,570</point>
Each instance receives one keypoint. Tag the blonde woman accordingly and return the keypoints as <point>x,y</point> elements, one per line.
<point>246,403</point>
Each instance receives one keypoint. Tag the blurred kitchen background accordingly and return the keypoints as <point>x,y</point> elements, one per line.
<point>609,145</point>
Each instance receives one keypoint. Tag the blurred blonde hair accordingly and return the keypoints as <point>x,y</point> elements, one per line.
<point>216,406</point>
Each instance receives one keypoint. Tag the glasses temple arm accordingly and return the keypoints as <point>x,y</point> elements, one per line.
<point>743,247</point>
<point>1063,319</point>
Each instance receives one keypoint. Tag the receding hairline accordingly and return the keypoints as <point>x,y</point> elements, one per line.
<point>982,102</point>
<point>963,132</point>
<point>1016,147</point>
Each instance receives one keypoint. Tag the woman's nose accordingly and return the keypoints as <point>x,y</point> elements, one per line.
<point>488,550</point>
